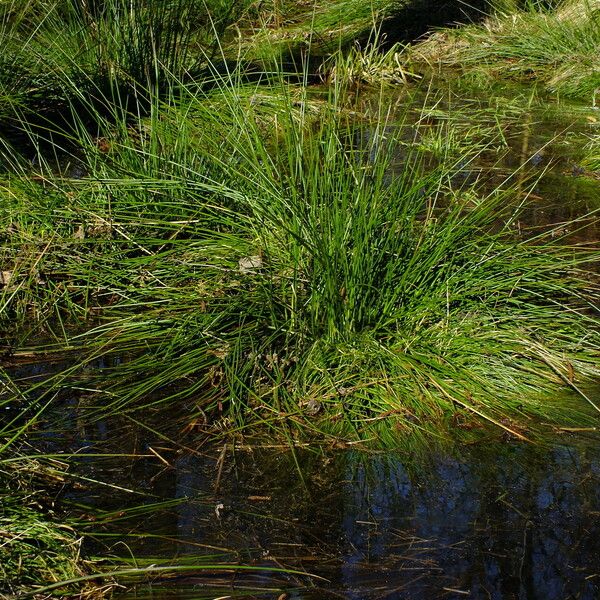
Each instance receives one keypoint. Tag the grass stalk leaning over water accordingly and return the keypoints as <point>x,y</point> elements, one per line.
<point>592,159</point>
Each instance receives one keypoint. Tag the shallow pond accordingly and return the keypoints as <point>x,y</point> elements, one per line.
<point>535,143</point>
<point>498,519</point>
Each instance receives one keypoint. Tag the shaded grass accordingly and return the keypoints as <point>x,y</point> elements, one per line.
<point>63,56</point>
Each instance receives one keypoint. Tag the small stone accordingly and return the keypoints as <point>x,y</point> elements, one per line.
<point>249,264</point>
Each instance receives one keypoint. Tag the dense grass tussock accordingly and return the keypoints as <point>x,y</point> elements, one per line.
<point>35,550</point>
<point>282,30</point>
<point>556,43</point>
<point>301,270</point>
<point>36,547</point>
<point>61,55</point>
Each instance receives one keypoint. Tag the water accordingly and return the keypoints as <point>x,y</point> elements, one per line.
<point>499,519</point>
<point>535,143</point>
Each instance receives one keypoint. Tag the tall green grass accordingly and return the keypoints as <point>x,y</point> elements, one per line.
<point>294,29</point>
<point>61,55</point>
<point>301,270</point>
<point>267,256</point>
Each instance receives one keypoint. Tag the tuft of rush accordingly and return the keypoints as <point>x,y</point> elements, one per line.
<point>283,263</point>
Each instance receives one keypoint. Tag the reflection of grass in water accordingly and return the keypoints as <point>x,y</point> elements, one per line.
<point>39,545</point>
<point>43,551</point>
<point>261,267</point>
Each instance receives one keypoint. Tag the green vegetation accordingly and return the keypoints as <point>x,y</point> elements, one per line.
<point>34,549</point>
<point>311,263</point>
<point>557,46</point>
<point>298,283</point>
<point>593,153</point>
<point>282,29</point>
<point>38,545</point>
<point>61,56</point>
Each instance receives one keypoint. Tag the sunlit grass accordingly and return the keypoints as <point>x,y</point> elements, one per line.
<point>66,56</point>
<point>557,47</point>
<point>273,258</point>
<point>270,254</point>
<point>289,272</point>
<point>289,29</point>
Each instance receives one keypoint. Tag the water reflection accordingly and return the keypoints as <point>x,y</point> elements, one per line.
<point>520,527</point>
<point>503,521</point>
<point>536,147</point>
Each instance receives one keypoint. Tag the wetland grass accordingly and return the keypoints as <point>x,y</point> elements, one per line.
<point>268,258</point>
<point>39,545</point>
<point>291,271</point>
<point>286,30</point>
<point>68,59</point>
<point>553,43</point>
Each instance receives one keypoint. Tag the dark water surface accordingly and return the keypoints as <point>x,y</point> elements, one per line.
<point>498,519</point>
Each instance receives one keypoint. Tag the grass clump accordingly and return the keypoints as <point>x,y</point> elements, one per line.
<point>61,56</point>
<point>35,550</point>
<point>289,29</point>
<point>369,66</point>
<point>269,256</point>
<point>314,275</point>
<point>556,45</point>
<point>264,257</point>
